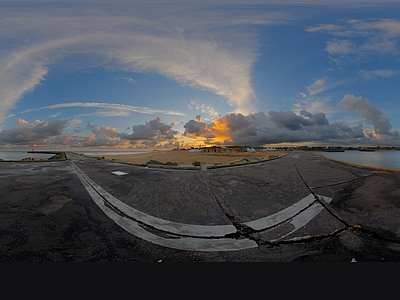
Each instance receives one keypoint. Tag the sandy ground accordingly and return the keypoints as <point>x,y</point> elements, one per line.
<point>186,157</point>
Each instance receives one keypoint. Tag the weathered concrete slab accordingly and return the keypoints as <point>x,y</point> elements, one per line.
<point>48,215</point>
<point>174,195</point>
<point>255,191</point>
<point>318,172</point>
<point>372,202</point>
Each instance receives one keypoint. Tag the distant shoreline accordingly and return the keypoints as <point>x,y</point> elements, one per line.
<point>190,159</point>
<point>57,156</point>
<point>370,168</point>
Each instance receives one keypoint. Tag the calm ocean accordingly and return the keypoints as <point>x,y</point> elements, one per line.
<point>20,154</point>
<point>386,159</point>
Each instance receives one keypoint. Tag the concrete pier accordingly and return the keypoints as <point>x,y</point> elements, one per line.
<point>300,207</point>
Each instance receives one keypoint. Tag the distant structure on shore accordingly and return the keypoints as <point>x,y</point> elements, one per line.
<point>234,149</point>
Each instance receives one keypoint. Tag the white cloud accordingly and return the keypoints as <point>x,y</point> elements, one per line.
<point>324,27</point>
<point>388,27</point>
<point>202,48</point>
<point>367,110</point>
<point>127,79</point>
<point>54,115</point>
<point>316,87</point>
<point>111,107</point>
<point>106,113</point>
<point>379,38</point>
<point>204,108</point>
<point>340,47</point>
<point>314,103</point>
<point>374,74</point>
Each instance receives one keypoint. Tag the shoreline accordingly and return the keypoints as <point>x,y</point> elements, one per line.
<point>58,156</point>
<point>376,169</point>
<point>188,160</point>
<point>193,159</point>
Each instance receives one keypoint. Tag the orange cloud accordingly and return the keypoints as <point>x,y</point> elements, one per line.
<point>220,131</point>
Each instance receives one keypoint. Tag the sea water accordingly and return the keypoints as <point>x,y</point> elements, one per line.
<point>8,155</point>
<point>384,159</point>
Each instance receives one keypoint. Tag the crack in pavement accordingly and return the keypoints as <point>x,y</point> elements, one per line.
<point>143,230</point>
<point>170,234</point>
<point>347,226</point>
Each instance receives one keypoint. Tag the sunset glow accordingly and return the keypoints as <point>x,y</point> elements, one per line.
<point>144,75</point>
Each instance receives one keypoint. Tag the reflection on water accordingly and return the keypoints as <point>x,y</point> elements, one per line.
<point>385,159</point>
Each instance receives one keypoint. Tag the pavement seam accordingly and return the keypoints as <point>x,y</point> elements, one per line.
<point>241,229</point>
<point>317,197</point>
<point>180,242</point>
<point>104,195</point>
<point>347,226</point>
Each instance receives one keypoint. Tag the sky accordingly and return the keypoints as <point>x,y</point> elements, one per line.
<point>140,75</point>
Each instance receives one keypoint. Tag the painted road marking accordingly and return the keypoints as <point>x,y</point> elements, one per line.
<point>119,173</point>
<point>304,217</point>
<point>285,214</point>
<point>190,237</point>
<point>181,243</point>
<point>161,224</point>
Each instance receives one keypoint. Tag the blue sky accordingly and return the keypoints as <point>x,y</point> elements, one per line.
<point>148,75</point>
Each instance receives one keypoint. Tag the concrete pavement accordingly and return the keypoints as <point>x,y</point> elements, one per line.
<point>300,207</point>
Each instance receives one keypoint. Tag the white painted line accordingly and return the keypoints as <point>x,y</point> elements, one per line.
<point>303,218</point>
<point>300,213</point>
<point>183,243</point>
<point>161,224</point>
<point>119,173</point>
<point>284,214</point>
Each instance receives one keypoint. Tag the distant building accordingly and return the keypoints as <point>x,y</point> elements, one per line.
<point>227,149</point>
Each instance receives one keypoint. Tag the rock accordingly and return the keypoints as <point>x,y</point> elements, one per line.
<point>252,158</point>
<point>59,156</point>
<point>27,159</point>
<point>196,163</point>
<point>154,162</point>
<point>170,163</point>
<point>240,160</point>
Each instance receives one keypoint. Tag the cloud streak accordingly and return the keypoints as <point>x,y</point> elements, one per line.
<point>256,129</point>
<point>381,38</point>
<point>176,44</point>
<point>375,74</point>
<point>111,107</point>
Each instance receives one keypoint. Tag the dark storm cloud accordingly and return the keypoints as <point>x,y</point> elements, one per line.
<point>279,127</point>
<point>154,130</point>
<point>292,121</point>
<point>25,133</point>
<point>367,110</point>
<point>194,127</point>
<point>46,129</point>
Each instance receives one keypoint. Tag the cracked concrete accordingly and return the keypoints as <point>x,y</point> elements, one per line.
<point>248,212</point>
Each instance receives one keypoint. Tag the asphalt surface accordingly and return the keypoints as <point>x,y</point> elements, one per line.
<point>297,208</point>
